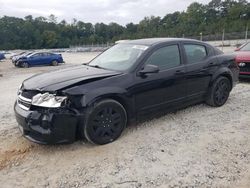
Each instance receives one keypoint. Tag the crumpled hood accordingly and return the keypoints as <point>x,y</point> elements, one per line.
<point>56,80</point>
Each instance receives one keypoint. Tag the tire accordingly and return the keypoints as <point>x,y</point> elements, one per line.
<point>54,63</point>
<point>25,65</point>
<point>219,92</point>
<point>104,122</point>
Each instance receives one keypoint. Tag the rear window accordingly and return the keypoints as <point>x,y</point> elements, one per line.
<point>195,53</point>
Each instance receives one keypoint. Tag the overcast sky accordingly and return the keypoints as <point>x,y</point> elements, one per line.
<point>120,11</point>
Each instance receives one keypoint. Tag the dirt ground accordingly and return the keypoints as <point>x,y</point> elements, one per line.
<point>199,146</point>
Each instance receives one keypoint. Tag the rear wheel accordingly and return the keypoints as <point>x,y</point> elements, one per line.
<point>219,92</point>
<point>54,63</point>
<point>105,122</point>
<point>25,65</point>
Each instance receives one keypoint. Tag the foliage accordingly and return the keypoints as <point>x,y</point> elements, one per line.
<point>41,32</point>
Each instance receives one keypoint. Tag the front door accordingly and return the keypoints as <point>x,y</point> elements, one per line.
<point>158,90</point>
<point>36,59</point>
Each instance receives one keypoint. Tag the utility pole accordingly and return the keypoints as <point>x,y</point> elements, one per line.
<point>223,37</point>
<point>246,33</point>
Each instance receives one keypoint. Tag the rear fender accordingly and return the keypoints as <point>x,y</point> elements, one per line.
<point>224,71</point>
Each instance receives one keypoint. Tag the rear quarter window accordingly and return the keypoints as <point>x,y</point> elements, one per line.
<point>217,51</point>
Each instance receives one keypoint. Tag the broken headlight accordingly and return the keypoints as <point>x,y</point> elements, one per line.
<point>48,100</point>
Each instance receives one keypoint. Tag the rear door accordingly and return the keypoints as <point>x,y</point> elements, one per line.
<point>199,61</point>
<point>47,58</point>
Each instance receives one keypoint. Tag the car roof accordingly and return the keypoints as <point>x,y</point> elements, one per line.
<point>154,41</point>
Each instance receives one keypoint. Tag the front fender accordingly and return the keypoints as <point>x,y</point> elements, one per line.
<point>119,94</point>
<point>88,97</point>
<point>94,95</point>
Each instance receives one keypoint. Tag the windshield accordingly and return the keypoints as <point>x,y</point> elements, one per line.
<point>26,53</point>
<point>246,47</point>
<point>120,57</point>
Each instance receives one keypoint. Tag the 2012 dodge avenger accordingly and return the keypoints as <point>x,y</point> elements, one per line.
<point>130,80</point>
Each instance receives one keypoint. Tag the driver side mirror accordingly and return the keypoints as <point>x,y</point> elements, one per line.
<point>149,69</point>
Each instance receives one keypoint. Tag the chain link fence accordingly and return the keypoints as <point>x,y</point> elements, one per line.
<point>233,39</point>
<point>224,39</point>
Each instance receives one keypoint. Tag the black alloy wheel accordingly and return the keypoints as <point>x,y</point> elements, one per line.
<point>105,123</point>
<point>219,92</point>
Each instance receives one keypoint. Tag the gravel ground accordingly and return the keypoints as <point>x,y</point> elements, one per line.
<point>199,146</point>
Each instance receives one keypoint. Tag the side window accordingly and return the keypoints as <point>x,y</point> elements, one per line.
<point>166,57</point>
<point>195,53</point>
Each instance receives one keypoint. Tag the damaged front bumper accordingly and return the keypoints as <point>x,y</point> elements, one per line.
<point>47,126</point>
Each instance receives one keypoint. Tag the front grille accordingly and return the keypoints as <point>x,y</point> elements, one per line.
<point>23,102</point>
<point>245,68</point>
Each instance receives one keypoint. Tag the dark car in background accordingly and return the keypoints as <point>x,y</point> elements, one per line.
<point>129,81</point>
<point>2,56</point>
<point>39,58</point>
<point>243,60</point>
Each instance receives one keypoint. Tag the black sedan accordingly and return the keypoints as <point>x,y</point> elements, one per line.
<point>131,80</point>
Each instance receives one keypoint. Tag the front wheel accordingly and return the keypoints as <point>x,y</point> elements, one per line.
<point>105,122</point>
<point>219,92</point>
<point>25,65</point>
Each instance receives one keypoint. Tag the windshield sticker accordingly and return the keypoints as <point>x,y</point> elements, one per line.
<point>140,47</point>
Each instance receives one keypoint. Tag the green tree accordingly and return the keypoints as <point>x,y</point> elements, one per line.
<point>49,39</point>
<point>41,32</point>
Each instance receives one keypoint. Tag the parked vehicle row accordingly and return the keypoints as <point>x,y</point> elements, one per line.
<point>28,59</point>
<point>129,81</point>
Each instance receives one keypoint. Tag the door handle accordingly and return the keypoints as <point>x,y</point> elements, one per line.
<point>180,72</point>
